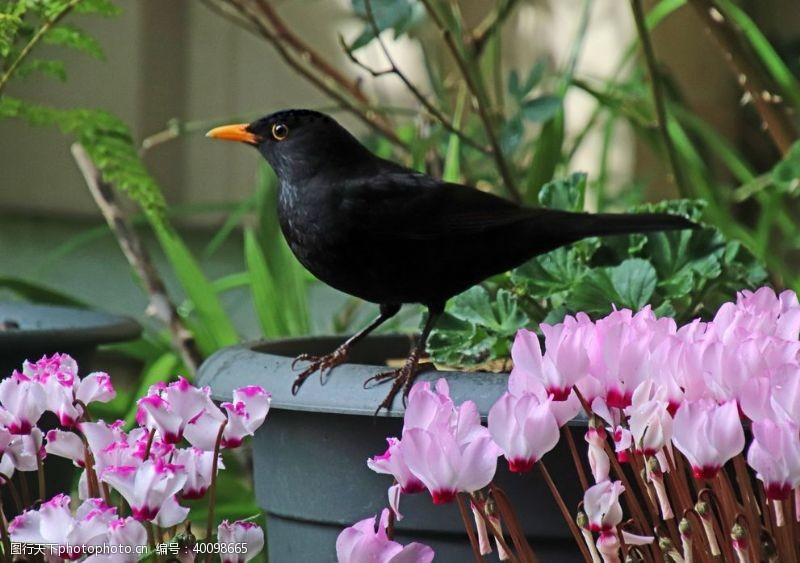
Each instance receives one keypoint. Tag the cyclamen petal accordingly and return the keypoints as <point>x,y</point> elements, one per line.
<point>53,523</point>
<point>601,504</point>
<point>66,444</point>
<point>147,487</point>
<point>391,462</point>
<point>362,543</point>
<point>446,467</point>
<point>708,435</point>
<point>239,532</point>
<point>24,401</point>
<point>245,414</point>
<point>775,456</point>
<point>524,428</point>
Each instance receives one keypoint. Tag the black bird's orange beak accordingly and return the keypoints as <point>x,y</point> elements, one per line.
<point>236,132</point>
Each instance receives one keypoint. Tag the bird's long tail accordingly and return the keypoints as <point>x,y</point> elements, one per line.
<point>588,225</point>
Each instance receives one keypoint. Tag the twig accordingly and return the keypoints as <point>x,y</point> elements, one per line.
<point>324,84</point>
<point>490,25</point>
<point>42,31</point>
<point>481,103</point>
<point>160,304</point>
<point>769,105</point>
<point>395,70</point>
<point>283,33</point>
<point>658,97</point>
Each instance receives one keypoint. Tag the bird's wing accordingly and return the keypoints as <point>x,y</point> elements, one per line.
<point>405,205</point>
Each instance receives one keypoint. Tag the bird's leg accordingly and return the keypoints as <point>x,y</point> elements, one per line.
<point>324,364</point>
<point>404,376</point>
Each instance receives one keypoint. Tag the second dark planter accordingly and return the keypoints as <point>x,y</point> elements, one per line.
<point>310,470</point>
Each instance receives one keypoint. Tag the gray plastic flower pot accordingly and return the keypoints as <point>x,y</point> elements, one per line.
<point>29,331</point>
<point>310,471</point>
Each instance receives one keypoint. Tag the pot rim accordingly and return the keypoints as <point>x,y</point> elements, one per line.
<point>69,327</point>
<point>269,364</point>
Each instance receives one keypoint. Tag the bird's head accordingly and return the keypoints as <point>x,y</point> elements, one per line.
<point>297,142</point>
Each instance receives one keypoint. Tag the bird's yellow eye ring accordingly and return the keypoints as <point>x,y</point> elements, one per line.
<point>280,131</point>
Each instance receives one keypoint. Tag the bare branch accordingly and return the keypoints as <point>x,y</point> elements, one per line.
<point>481,102</point>
<point>395,70</point>
<point>161,307</point>
<point>770,106</point>
<point>326,84</point>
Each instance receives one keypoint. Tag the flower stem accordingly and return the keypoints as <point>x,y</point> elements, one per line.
<point>473,541</point>
<point>576,458</point>
<point>506,511</point>
<point>40,475</point>
<point>573,527</point>
<point>212,489</point>
<point>12,488</point>
<point>4,536</point>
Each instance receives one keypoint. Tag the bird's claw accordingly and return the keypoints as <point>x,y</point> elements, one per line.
<point>401,378</point>
<point>321,364</point>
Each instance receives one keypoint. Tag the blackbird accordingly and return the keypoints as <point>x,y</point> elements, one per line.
<point>391,235</point>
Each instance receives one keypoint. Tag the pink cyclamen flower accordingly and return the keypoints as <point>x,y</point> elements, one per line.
<point>391,462</point>
<point>775,456</point>
<point>25,450</point>
<point>601,504</point>
<point>557,370</point>
<point>170,409</point>
<point>126,532</point>
<point>524,428</point>
<point>23,400</point>
<point>66,394</point>
<point>110,445</point>
<point>245,414</point>
<point>708,435</point>
<point>363,543</point>
<point>54,523</point>
<point>197,465</point>
<point>598,458</point>
<point>649,420</point>
<point>454,453</point>
<point>66,444</point>
<point>248,534</point>
<point>150,490</point>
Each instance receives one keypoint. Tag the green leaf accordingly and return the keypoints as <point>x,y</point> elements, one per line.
<point>549,274</point>
<point>541,109</point>
<point>452,161</point>
<point>564,193</point>
<point>634,281</point>
<point>39,293</point>
<point>198,288</point>
<point>69,36</point>
<point>631,284</point>
<point>263,288</point>
<point>54,68</point>
<point>477,327</point>
<point>399,15</point>
<point>474,306</point>
<point>546,156</point>
<point>786,174</point>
